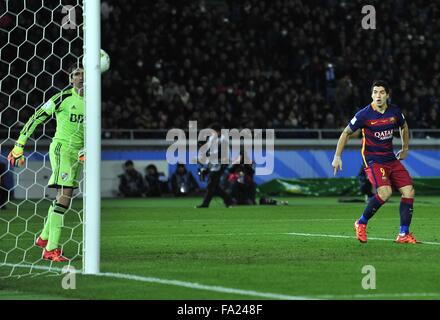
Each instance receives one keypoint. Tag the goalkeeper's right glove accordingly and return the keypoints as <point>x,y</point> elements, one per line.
<point>16,157</point>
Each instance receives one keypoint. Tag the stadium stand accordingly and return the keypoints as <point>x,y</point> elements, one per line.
<point>270,64</point>
<point>256,64</point>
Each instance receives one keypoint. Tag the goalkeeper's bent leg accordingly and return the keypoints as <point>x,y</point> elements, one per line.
<point>56,223</point>
<point>45,233</point>
<point>61,205</point>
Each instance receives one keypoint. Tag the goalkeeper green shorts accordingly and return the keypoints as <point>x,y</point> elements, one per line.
<point>65,166</point>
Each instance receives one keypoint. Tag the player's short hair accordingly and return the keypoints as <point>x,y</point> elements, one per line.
<point>381,83</point>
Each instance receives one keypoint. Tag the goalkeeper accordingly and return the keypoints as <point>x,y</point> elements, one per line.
<point>66,157</point>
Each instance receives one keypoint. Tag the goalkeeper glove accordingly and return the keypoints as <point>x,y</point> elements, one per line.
<point>16,157</point>
<point>81,156</point>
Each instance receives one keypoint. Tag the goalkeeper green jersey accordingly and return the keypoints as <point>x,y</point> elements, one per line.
<point>68,109</point>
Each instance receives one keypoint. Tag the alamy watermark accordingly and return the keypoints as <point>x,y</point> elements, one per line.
<point>69,280</point>
<point>258,150</point>
<point>369,21</point>
<point>69,20</point>
<point>369,280</point>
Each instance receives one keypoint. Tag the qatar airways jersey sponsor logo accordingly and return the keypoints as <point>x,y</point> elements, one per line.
<point>384,135</point>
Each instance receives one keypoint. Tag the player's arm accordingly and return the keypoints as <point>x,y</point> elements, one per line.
<point>404,135</point>
<point>337,162</point>
<point>16,156</point>
<point>37,118</point>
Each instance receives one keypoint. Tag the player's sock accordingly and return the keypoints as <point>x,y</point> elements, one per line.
<point>45,233</point>
<point>406,211</point>
<point>373,205</point>
<point>56,223</point>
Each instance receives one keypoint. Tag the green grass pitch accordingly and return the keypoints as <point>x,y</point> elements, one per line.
<point>167,249</point>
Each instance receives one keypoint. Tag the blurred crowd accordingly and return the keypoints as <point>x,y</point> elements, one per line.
<point>268,64</point>
<point>244,63</point>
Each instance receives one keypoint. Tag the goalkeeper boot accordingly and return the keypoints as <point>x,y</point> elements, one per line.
<point>407,238</point>
<point>55,255</point>
<point>41,243</point>
<point>361,231</point>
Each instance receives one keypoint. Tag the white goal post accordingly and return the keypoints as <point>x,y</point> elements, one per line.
<point>92,170</point>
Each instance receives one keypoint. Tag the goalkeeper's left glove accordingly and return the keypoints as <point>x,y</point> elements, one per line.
<point>16,157</point>
<point>81,155</point>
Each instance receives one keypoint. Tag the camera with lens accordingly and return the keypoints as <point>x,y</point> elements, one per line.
<point>202,173</point>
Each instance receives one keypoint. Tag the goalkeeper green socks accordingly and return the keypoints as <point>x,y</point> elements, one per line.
<point>45,233</point>
<point>56,223</point>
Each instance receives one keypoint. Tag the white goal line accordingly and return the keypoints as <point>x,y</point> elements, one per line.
<point>251,293</point>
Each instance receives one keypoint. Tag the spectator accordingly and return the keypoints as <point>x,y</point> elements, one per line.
<point>131,183</point>
<point>106,10</point>
<point>183,182</point>
<point>156,182</point>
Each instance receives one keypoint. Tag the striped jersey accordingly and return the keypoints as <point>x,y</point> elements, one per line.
<point>377,132</point>
<point>68,109</point>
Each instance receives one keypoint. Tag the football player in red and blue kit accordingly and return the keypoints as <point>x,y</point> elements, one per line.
<point>377,121</point>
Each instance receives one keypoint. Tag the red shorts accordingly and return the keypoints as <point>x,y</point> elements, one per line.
<point>388,174</point>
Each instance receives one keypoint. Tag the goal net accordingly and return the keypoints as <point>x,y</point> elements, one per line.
<point>40,40</point>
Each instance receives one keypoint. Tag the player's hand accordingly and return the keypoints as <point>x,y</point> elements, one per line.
<point>16,157</point>
<point>402,154</point>
<point>336,164</point>
<point>81,155</point>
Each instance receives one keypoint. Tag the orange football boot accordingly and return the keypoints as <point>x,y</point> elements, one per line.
<point>55,255</point>
<point>407,238</point>
<point>361,231</point>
